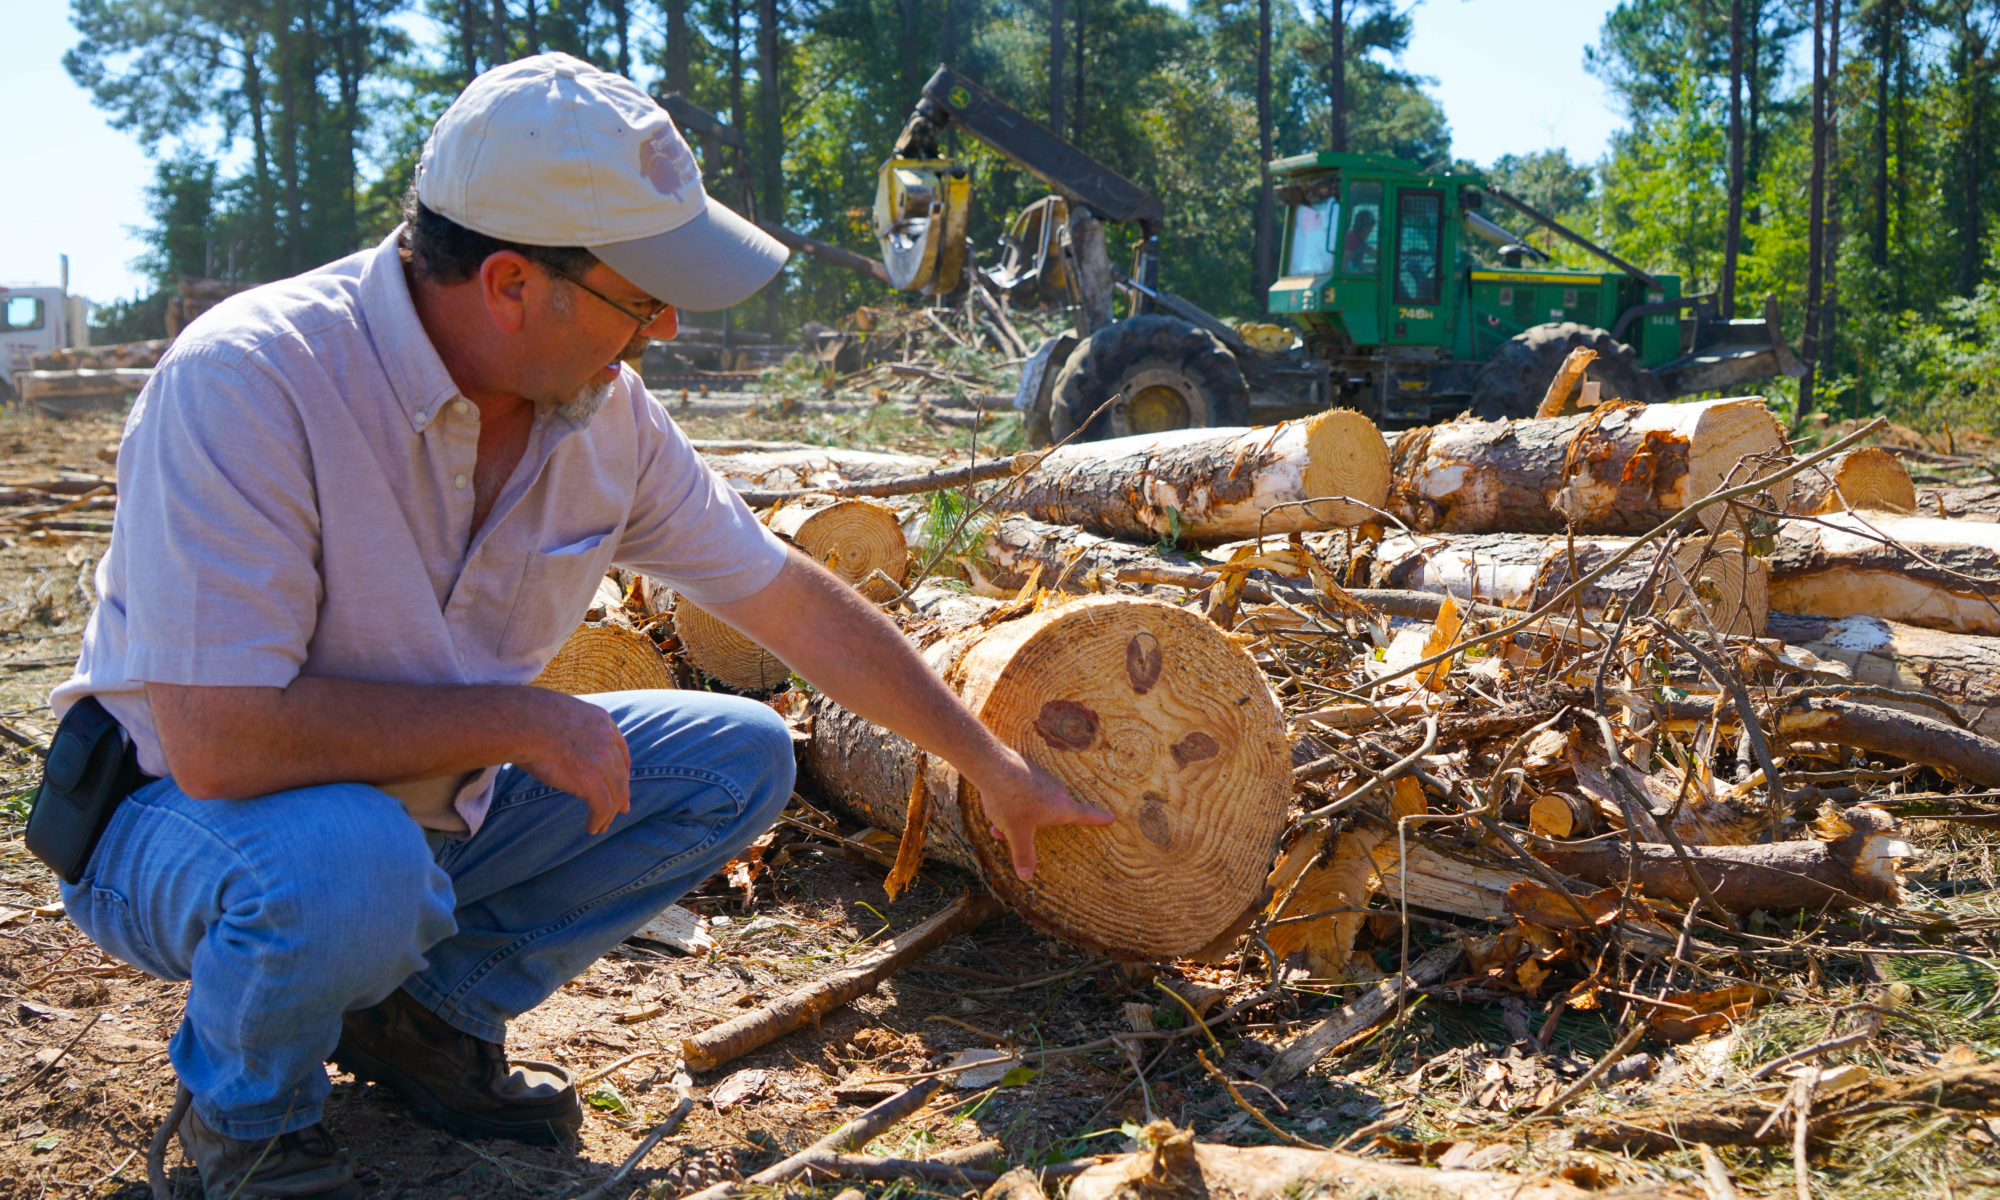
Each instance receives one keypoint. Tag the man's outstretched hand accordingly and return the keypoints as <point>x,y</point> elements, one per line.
<point>1021,798</point>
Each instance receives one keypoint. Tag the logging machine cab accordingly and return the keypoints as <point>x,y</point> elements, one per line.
<point>1379,276</point>
<point>36,320</point>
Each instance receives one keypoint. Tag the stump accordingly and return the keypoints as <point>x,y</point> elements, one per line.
<point>1839,566</point>
<point>1207,485</point>
<point>1635,465</point>
<point>1524,570</point>
<point>1140,707</point>
<point>1865,477</point>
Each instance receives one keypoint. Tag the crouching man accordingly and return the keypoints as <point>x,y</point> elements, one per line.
<point>359,510</point>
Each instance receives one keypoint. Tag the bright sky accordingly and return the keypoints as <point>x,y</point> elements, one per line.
<point>1509,74</point>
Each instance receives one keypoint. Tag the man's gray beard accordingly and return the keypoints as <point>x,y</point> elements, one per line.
<point>585,403</point>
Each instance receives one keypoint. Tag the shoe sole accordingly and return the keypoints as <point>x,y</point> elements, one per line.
<point>370,1068</point>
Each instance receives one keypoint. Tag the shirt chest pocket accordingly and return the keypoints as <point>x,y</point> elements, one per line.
<point>555,590</point>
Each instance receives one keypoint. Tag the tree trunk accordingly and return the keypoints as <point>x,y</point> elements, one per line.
<point>678,78</point>
<point>1140,707</point>
<point>1213,484</point>
<point>1865,477</point>
<point>1636,466</point>
<point>1527,570</point>
<point>499,38</point>
<point>1961,669</point>
<point>1834,566</point>
<point>1336,76</point>
<point>468,39</point>
<point>1056,30</point>
<point>621,32</point>
<point>1732,230</point>
<point>1885,61</point>
<point>1076,110</point>
<point>1809,346</point>
<point>1854,866</point>
<point>1829,307</point>
<point>1266,209</point>
<point>771,140</point>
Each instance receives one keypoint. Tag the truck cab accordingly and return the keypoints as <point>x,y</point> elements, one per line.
<point>33,321</point>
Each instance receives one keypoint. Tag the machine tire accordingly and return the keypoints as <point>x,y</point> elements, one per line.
<point>1514,380</point>
<point>1173,375</point>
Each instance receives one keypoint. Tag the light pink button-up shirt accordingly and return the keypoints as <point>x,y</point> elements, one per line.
<point>295,498</point>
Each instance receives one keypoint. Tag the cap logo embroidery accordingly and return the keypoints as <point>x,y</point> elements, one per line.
<point>666,162</point>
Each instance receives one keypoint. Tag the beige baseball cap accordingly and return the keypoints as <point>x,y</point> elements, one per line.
<point>551,151</point>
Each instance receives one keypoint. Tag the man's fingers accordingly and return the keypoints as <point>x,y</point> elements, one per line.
<point>1022,849</point>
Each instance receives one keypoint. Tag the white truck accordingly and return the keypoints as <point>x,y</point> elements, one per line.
<point>36,320</point>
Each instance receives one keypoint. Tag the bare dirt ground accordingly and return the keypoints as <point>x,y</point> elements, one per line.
<point>84,1078</point>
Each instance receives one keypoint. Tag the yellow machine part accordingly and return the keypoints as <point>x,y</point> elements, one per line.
<point>1272,339</point>
<point>921,209</point>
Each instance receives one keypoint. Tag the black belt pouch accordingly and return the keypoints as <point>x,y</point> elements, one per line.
<point>91,767</point>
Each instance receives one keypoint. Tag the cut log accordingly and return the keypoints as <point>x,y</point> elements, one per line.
<point>852,538</point>
<point>1938,574</point>
<point>1866,477</point>
<point>819,467</point>
<point>1140,707</point>
<point>1853,861</point>
<point>718,651</point>
<point>1960,668</point>
<point>1179,1167</point>
<point>1525,570</point>
<point>1981,503</point>
<point>1209,485</point>
<point>1912,736</point>
<point>607,653</point>
<point>1072,559</point>
<point>1636,465</point>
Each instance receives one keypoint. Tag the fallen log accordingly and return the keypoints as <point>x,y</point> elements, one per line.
<point>1851,862</point>
<point>1866,477</point>
<point>1916,570</point>
<point>1358,1015</point>
<point>1977,503</point>
<point>902,485</point>
<point>1208,485</point>
<point>853,538</point>
<point>817,469</point>
<point>1137,706</point>
<point>607,653</point>
<point>1065,558</point>
<point>1872,728</point>
<point>1962,669</point>
<point>718,650</point>
<point>804,1006</point>
<point>1525,571</point>
<point>1634,466</point>
<point>1178,1166</point>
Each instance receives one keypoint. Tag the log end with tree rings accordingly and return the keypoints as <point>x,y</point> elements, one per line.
<point>1346,455</point>
<point>852,538</point>
<point>606,658</point>
<point>718,651</point>
<point>1151,712</point>
<point>1866,477</point>
<point>1732,587</point>
<point>1727,444</point>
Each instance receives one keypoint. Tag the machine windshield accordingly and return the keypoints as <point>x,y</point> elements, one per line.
<point>1313,225</point>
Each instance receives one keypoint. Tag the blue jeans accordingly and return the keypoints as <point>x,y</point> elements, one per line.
<point>287,910</point>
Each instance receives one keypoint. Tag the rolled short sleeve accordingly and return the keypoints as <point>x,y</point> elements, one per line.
<point>689,528</point>
<point>216,495</point>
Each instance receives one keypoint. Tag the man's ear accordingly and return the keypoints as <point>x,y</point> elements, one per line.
<point>505,279</point>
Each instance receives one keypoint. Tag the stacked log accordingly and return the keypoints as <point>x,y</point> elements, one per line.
<point>1961,669</point>
<point>1620,468</point>
<point>1526,571</point>
<point>1866,477</point>
<point>1137,706</point>
<point>607,653</point>
<point>1209,485</point>
<point>1976,503</point>
<point>1913,570</point>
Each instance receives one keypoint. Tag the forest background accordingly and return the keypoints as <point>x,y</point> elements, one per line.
<point>1833,153</point>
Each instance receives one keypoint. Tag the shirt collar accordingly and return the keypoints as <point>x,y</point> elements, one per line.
<point>417,375</point>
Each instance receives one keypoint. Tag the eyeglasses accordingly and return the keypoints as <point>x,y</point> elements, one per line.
<point>644,319</point>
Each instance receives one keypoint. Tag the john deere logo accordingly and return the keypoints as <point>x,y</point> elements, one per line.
<point>1414,314</point>
<point>960,97</point>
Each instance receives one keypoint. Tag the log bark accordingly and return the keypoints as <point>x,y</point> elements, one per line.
<point>817,468</point>
<point>1180,1167</point>
<point>1866,477</point>
<point>1853,863</point>
<point>1962,669</point>
<point>1929,572</point>
<point>1873,728</point>
<point>1071,559</point>
<point>1137,706</point>
<point>1980,503</point>
<point>1635,465</point>
<point>804,1006</point>
<point>1208,485</point>
<point>1525,570</point>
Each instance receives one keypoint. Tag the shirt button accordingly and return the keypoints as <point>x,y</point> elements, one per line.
<point>421,417</point>
<point>458,481</point>
<point>461,407</point>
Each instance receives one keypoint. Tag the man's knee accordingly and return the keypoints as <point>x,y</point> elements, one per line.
<point>353,878</point>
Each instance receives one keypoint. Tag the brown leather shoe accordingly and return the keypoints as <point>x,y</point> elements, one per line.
<point>292,1166</point>
<point>454,1079</point>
